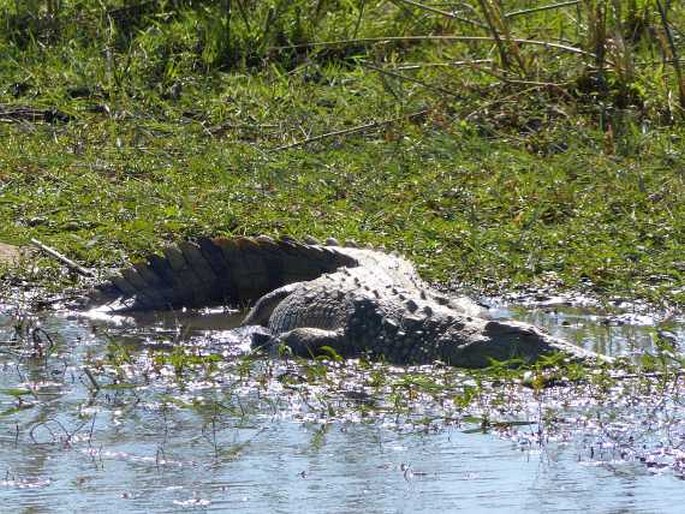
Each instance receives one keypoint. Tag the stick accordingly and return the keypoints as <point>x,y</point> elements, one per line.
<point>90,376</point>
<point>411,79</point>
<point>446,64</point>
<point>352,130</point>
<point>388,39</point>
<point>443,13</point>
<point>64,260</point>
<point>674,53</point>
<point>541,8</point>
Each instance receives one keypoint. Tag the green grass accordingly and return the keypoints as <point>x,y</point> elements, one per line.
<point>522,165</point>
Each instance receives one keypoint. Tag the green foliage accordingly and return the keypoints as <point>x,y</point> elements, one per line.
<point>118,354</point>
<point>182,359</point>
<point>414,383</point>
<point>467,397</point>
<point>498,146</point>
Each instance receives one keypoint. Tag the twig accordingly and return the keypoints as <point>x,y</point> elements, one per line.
<point>443,13</point>
<point>41,349</point>
<point>90,376</point>
<point>410,79</point>
<point>674,53</point>
<point>522,12</point>
<point>64,260</point>
<point>507,80</point>
<point>352,130</point>
<point>446,64</point>
<point>489,18</point>
<point>389,39</point>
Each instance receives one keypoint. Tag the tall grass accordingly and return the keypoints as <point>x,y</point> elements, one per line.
<point>602,48</point>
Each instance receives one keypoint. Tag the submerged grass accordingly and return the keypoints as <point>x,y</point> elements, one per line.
<point>537,144</point>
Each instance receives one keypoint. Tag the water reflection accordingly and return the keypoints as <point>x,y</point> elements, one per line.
<point>610,333</point>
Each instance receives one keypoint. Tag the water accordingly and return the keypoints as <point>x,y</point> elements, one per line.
<point>78,433</point>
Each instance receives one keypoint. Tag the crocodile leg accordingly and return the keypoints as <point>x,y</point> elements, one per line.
<point>309,342</point>
<point>262,309</point>
<point>303,342</point>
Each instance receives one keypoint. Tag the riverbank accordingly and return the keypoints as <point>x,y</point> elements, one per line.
<point>122,135</point>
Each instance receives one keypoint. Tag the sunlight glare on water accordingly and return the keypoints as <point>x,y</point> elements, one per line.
<point>155,446</point>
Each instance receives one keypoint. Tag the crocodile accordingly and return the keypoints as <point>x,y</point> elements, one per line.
<point>317,297</point>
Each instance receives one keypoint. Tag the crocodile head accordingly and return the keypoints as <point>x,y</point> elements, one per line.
<point>506,341</point>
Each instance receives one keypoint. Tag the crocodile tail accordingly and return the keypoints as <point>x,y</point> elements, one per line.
<point>229,271</point>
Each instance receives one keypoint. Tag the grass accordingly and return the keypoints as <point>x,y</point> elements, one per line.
<point>457,138</point>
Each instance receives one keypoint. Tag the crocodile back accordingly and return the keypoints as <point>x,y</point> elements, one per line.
<point>229,271</point>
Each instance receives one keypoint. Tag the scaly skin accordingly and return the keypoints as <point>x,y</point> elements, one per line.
<point>353,300</point>
<point>340,311</point>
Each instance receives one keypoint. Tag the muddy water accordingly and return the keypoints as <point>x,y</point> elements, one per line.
<point>81,432</point>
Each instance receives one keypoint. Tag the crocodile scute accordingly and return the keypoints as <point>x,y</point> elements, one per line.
<point>313,297</point>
